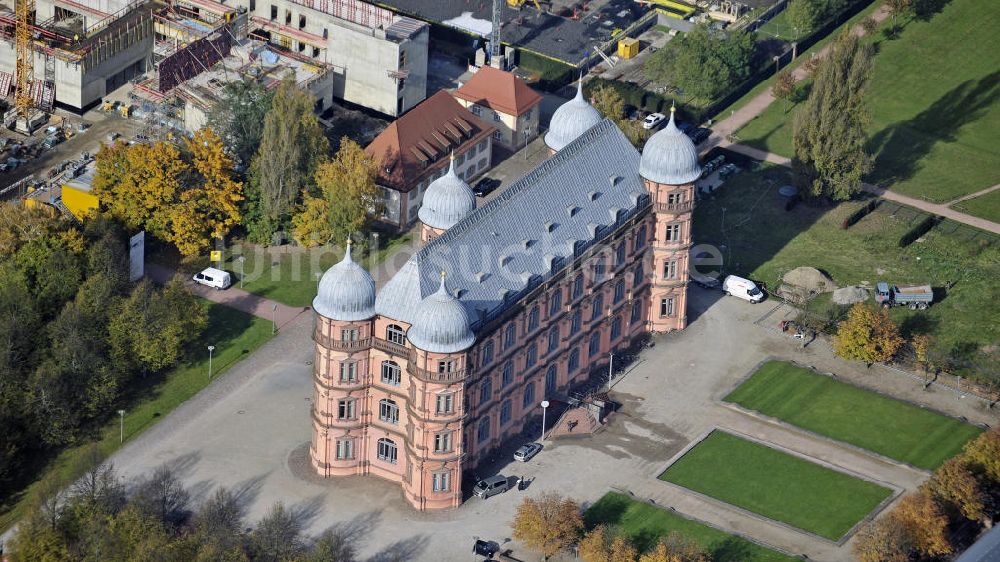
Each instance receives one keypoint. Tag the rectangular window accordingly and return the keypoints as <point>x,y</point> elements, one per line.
<point>345,410</point>
<point>673,233</point>
<point>446,366</point>
<point>637,310</point>
<point>670,269</point>
<point>345,449</point>
<point>460,159</point>
<point>388,411</point>
<point>482,145</point>
<point>348,371</point>
<point>442,442</point>
<point>441,481</point>
<point>274,12</point>
<point>347,334</point>
<point>640,238</point>
<point>667,306</point>
<point>496,135</point>
<point>476,110</point>
<point>445,403</point>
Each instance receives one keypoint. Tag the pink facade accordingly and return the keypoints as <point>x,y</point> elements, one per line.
<point>384,407</point>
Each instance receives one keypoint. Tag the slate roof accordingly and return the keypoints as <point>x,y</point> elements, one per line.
<point>506,248</point>
<point>428,132</point>
<point>498,90</point>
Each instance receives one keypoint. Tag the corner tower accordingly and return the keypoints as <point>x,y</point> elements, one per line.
<point>345,309</point>
<point>448,200</point>
<point>571,120</point>
<point>669,168</point>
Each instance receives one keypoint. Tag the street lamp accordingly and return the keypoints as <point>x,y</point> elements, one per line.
<point>241,259</point>
<point>274,321</point>
<point>121,426</point>
<point>611,367</point>
<point>545,405</point>
<point>211,348</point>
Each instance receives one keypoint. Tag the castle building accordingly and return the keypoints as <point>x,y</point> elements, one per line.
<point>504,306</point>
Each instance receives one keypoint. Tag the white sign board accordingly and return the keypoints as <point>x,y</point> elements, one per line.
<point>136,256</point>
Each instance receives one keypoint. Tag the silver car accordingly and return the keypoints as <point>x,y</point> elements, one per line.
<point>525,453</point>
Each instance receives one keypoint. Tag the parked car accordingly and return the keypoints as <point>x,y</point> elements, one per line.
<point>631,112</point>
<point>485,186</point>
<point>212,277</point>
<point>728,170</point>
<point>491,486</point>
<point>653,120</point>
<point>742,288</point>
<point>699,135</point>
<point>525,452</point>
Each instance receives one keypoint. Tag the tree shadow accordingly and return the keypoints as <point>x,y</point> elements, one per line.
<point>353,531</point>
<point>305,512</point>
<point>917,324</point>
<point>400,551</point>
<point>732,549</point>
<point>926,9</point>
<point>900,148</point>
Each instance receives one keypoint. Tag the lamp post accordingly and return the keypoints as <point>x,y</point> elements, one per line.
<point>611,368</point>
<point>121,426</point>
<point>545,405</point>
<point>527,134</point>
<point>274,316</point>
<point>241,259</point>
<point>211,348</point>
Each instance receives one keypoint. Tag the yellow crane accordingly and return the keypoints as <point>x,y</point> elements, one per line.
<point>25,71</point>
<point>516,4</point>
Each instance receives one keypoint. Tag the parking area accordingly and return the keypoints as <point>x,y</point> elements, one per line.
<point>250,431</point>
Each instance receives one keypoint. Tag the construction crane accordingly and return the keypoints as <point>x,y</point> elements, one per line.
<point>25,59</point>
<point>495,31</point>
<point>516,4</point>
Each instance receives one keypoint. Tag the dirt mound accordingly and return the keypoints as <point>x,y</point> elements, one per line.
<point>811,279</point>
<point>850,295</point>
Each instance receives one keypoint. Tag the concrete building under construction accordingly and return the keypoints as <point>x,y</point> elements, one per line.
<point>338,49</point>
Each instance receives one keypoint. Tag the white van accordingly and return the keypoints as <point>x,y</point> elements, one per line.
<point>742,288</point>
<point>212,277</point>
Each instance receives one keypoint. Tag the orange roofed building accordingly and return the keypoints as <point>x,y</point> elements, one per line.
<point>504,100</point>
<point>414,150</point>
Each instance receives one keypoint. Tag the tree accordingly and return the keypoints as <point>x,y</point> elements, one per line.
<point>883,540</point>
<point>239,117</point>
<point>348,201</point>
<point>209,206</point>
<point>955,485</point>
<point>332,546</point>
<point>548,524</point>
<point>869,24</point>
<point>803,15</point>
<point>595,545</point>
<point>622,550</point>
<point>867,335</point>
<point>924,522</point>
<point>292,145</point>
<point>675,548</point>
<point>983,453</point>
<point>897,8</point>
<point>219,522</point>
<point>139,183</point>
<point>278,536</point>
<point>608,102</point>
<point>704,62</point>
<point>20,224</point>
<point>161,495</point>
<point>829,131</point>
<point>784,86</point>
<point>921,346</point>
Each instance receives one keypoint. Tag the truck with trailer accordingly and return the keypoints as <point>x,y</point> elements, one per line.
<point>916,297</point>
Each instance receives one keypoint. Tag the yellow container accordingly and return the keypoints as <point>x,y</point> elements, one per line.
<point>628,48</point>
<point>79,201</point>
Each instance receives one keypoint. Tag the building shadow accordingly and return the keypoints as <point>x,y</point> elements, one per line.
<point>899,149</point>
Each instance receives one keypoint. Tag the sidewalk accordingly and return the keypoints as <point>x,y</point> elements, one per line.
<point>233,297</point>
<point>941,209</point>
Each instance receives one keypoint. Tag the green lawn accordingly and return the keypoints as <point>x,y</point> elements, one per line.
<point>986,206</point>
<point>234,334</point>
<point>934,105</point>
<point>847,413</point>
<point>746,219</point>
<point>645,524</point>
<point>775,484</point>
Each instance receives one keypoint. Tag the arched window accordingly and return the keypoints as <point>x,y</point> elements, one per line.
<point>483,433</point>
<point>508,374</point>
<point>395,334</point>
<point>555,302</point>
<point>550,380</point>
<point>505,412</point>
<point>390,373</point>
<point>574,360</point>
<point>533,319</point>
<point>616,328</point>
<point>553,339</point>
<point>598,307</point>
<point>595,345</point>
<point>388,411</point>
<point>619,291</point>
<point>510,337</point>
<point>527,401</point>
<point>637,278</point>
<point>486,391</point>
<point>576,322</point>
<point>578,287</point>
<point>387,450</point>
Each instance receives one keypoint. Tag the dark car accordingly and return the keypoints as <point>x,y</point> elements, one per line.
<point>699,135</point>
<point>485,186</point>
<point>685,127</point>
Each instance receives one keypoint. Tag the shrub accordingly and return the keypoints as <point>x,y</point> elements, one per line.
<point>860,213</point>
<point>916,232</point>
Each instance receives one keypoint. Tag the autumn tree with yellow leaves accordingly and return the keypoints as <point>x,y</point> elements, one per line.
<point>184,197</point>
<point>347,200</point>
<point>548,524</point>
<point>867,335</point>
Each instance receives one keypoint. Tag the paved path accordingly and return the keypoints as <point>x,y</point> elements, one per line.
<point>233,297</point>
<point>973,195</point>
<point>942,209</point>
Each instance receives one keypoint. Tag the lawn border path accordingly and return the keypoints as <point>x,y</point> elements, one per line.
<point>756,414</point>
<point>670,510</point>
<point>895,491</point>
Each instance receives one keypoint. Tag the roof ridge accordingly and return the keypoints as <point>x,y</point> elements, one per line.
<point>601,128</point>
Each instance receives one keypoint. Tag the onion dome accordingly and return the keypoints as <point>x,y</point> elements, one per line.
<point>571,120</point>
<point>670,157</point>
<point>346,291</point>
<point>440,323</point>
<point>447,201</point>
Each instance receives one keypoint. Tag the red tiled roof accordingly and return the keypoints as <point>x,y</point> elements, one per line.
<point>498,90</point>
<point>430,129</point>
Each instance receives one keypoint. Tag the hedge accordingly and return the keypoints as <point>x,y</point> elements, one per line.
<point>919,230</point>
<point>861,213</point>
